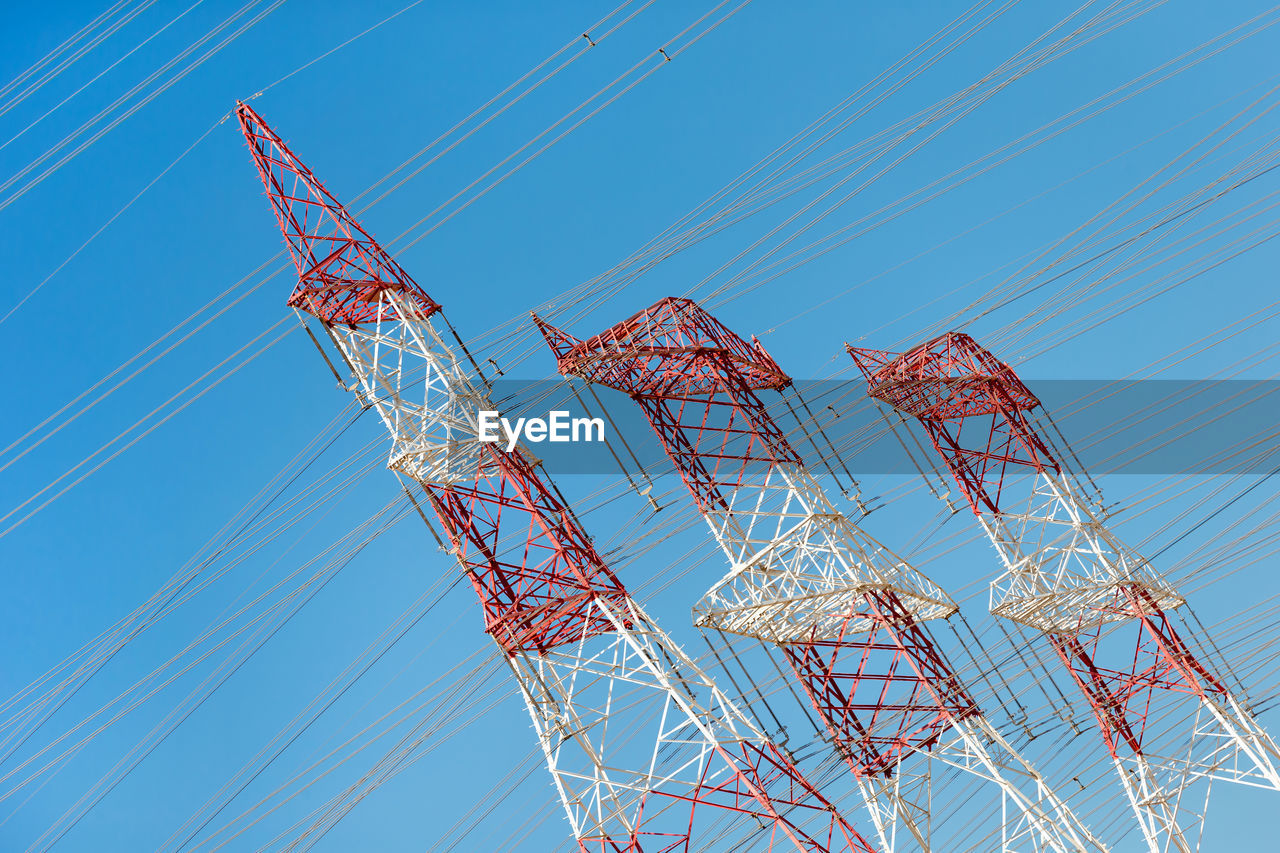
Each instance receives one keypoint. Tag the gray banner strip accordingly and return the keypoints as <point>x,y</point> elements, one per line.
<point>1115,427</point>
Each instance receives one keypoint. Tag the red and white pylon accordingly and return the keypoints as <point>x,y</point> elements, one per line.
<point>848,614</point>
<point>1066,575</point>
<point>645,751</point>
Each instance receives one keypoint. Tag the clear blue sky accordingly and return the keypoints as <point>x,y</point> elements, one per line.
<point>91,556</point>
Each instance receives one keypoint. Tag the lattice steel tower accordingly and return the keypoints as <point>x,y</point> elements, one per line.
<point>645,752</point>
<point>1067,576</point>
<point>848,614</point>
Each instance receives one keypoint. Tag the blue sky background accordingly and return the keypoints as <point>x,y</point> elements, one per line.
<point>92,555</point>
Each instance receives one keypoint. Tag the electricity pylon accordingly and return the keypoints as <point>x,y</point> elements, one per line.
<point>644,750</point>
<point>1069,577</point>
<point>848,614</point>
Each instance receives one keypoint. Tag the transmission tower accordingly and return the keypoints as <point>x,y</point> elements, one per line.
<point>1167,720</point>
<point>848,614</point>
<point>645,752</point>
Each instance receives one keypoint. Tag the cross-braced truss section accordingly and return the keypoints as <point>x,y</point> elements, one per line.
<point>646,752</point>
<point>848,614</point>
<point>603,684</point>
<point>1167,720</point>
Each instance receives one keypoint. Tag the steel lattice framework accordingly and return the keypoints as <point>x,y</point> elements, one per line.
<point>644,749</point>
<point>847,613</point>
<point>1066,575</point>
